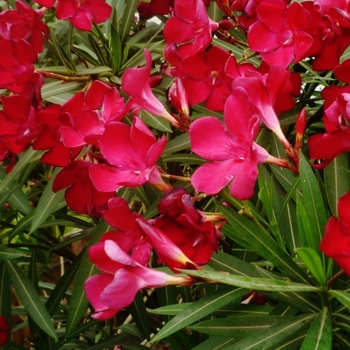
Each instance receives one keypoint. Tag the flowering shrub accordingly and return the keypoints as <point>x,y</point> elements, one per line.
<point>174,174</point>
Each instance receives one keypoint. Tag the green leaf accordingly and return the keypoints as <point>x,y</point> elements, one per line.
<point>343,297</point>
<point>264,244</point>
<point>63,284</point>
<point>30,298</point>
<point>139,314</point>
<point>263,284</point>
<point>78,301</point>
<point>201,308</point>
<point>237,326</point>
<point>337,180</point>
<point>5,297</point>
<point>314,264</point>
<point>313,203</point>
<point>319,336</point>
<point>215,343</point>
<point>155,122</point>
<point>177,144</point>
<point>116,48</point>
<point>9,253</point>
<point>170,310</point>
<point>273,335</point>
<point>127,19</point>
<point>47,204</point>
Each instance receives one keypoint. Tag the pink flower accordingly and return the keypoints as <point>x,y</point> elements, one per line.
<point>132,152</point>
<point>24,23</point>
<point>336,140</point>
<point>4,330</point>
<point>232,155</point>
<point>186,226</point>
<point>16,65</point>
<point>123,277</point>
<point>196,27</point>
<point>81,195</point>
<point>280,33</point>
<point>336,240</point>
<point>82,13</point>
<point>141,93</point>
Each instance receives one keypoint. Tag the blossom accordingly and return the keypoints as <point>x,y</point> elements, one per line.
<point>336,240</point>
<point>122,278</point>
<point>16,120</point>
<point>196,27</point>
<point>280,33</point>
<point>186,226</point>
<point>132,152</point>
<point>336,140</point>
<point>4,330</point>
<point>24,23</point>
<point>81,195</point>
<point>141,93</point>
<point>232,155</point>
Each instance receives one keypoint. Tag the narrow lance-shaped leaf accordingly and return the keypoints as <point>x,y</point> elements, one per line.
<point>263,284</point>
<point>314,264</point>
<point>337,180</point>
<point>48,203</point>
<point>272,335</point>
<point>319,336</point>
<point>313,203</point>
<point>264,244</point>
<point>201,308</point>
<point>30,298</point>
<point>78,301</point>
<point>342,296</point>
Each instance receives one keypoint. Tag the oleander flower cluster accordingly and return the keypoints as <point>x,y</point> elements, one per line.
<point>103,145</point>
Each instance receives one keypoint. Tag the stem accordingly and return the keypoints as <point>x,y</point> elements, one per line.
<point>335,277</point>
<point>176,178</point>
<point>63,77</point>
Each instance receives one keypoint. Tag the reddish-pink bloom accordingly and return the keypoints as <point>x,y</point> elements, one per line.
<point>24,23</point>
<point>84,116</point>
<point>141,93</point>
<point>196,27</point>
<point>233,156</point>
<point>206,78</point>
<point>81,195</point>
<point>336,239</point>
<point>132,152</point>
<point>336,140</point>
<point>123,276</point>
<point>16,119</point>
<point>263,90</point>
<point>4,330</point>
<point>48,137</point>
<point>281,33</point>
<point>82,13</point>
<point>16,64</point>
<point>186,227</point>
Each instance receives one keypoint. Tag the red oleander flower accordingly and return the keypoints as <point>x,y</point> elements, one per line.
<point>232,154</point>
<point>264,90</point>
<point>16,65</point>
<point>17,120</point>
<point>4,330</point>
<point>336,240</point>
<point>48,138</point>
<point>81,195</point>
<point>206,78</point>
<point>24,23</point>
<point>336,140</point>
<point>280,33</point>
<point>85,115</point>
<point>81,13</point>
<point>186,226</point>
<point>196,27</point>
<point>141,93</point>
<point>132,153</point>
<point>122,258</point>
